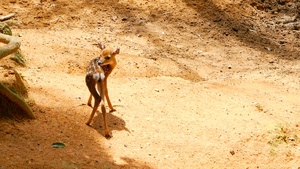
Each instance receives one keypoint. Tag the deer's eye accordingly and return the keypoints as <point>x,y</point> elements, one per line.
<point>107,57</point>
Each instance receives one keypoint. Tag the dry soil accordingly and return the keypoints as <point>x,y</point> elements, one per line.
<point>199,84</point>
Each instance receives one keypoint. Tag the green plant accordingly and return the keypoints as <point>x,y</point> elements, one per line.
<point>30,101</point>
<point>4,28</point>
<point>273,152</point>
<point>18,58</point>
<point>282,135</point>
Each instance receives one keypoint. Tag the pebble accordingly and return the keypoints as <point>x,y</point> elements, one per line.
<point>291,138</point>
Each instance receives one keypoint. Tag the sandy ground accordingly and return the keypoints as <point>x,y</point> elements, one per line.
<point>199,84</point>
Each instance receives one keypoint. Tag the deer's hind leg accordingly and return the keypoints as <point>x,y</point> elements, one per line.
<point>96,105</point>
<point>91,84</point>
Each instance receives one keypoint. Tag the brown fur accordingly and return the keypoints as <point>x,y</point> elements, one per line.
<point>98,71</point>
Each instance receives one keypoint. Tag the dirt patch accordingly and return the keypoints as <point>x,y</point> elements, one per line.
<point>199,84</point>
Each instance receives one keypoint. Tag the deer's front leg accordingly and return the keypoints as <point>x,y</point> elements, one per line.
<point>101,89</point>
<point>107,97</point>
<point>107,134</point>
<point>90,100</point>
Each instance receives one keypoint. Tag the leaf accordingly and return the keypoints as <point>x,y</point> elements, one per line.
<point>58,145</point>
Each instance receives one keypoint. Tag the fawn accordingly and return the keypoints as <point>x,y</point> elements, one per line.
<point>98,71</point>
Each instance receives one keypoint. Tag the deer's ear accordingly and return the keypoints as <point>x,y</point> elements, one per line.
<point>100,45</point>
<point>117,51</point>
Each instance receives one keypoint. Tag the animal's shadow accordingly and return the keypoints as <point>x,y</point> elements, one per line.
<point>114,123</point>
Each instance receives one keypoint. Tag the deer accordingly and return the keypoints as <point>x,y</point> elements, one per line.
<point>98,70</point>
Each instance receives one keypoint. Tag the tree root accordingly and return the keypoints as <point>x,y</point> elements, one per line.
<point>12,46</point>
<point>3,18</point>
<point>17,100</point>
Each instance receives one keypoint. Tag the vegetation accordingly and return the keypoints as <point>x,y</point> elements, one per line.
<point>281,135</point>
